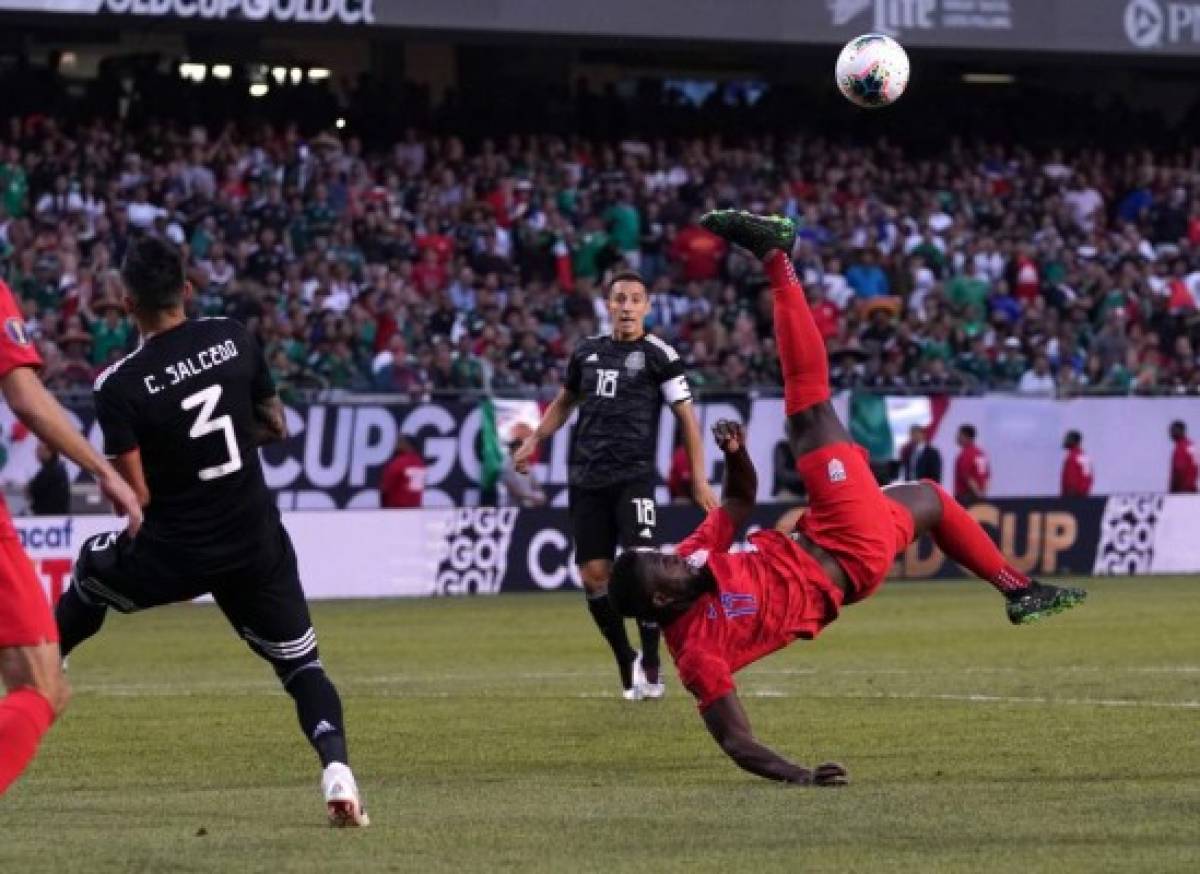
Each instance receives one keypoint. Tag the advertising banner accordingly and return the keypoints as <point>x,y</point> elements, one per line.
<point>494,550</point>
<point>1163,27</point>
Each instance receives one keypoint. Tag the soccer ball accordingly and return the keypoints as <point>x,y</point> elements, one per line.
<point>872,70</point>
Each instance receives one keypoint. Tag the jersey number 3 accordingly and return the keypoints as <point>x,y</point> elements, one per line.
<point>205,424</point>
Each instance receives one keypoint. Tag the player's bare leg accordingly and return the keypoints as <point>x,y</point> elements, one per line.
<point>37,695</point>
<point>813,423</point>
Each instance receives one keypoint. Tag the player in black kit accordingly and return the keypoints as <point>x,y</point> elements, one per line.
<point>619,381</point>
<point>183,416</point>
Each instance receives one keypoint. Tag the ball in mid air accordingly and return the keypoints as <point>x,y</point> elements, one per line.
<point>872,70</point>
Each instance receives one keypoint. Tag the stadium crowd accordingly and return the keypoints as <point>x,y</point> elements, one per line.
<point>434,265</point>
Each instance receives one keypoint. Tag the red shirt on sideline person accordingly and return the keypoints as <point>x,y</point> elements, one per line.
<point>971,469</point>
<point>403,480</point>
<point>679,477</point>
<point>1077,472</point>
<point>1184,467</point>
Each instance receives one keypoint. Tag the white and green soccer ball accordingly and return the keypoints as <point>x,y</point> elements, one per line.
<point>872,70</point>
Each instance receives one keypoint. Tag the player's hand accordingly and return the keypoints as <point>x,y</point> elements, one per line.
<point>830,774</point>
<point>123,499</point>
<point>827,775</point>
<point>704,496</point>
<point>730,436</point>
<point>524,454</point>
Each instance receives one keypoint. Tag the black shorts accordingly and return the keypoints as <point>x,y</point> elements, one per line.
<point>601,519</point>
<point>263,600</point>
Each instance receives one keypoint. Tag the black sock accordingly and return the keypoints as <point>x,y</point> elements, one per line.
<point>650,635</point>
<point>77,618</point>
<point>612,626</point>
<point>320,712</point>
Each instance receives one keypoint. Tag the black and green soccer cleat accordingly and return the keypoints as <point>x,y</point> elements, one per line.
<point>1039,601</point>
<point>761,234</point>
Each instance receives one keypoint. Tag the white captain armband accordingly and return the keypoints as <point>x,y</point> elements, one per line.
<point>676,389</point>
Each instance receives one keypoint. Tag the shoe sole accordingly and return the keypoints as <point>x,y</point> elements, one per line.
<point>787,226</point>
<point>346,814</point>
<point>1060,606</point>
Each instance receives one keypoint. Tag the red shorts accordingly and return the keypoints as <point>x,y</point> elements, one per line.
<point>25,617</point>
<point>851,518</point>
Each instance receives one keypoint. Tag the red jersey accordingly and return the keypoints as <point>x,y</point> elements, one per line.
<point>1077,474</point>
<point>699,252</point>
<point>439,243</point>
<point>16,350</point>
<point>1183,467</point>
<point>764,600</point>
<point>971,466</point>
<point>679,477</point>
<point>402,482</point>
<point>828,317</point>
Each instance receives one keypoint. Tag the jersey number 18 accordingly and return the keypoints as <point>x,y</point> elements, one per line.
<point>606,383</point>
<point>207,400</point>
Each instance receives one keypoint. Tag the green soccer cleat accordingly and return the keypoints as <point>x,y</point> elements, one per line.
<point>1039,601</point>
<point>761,234</point>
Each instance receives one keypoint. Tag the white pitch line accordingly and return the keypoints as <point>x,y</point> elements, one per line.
<point>984,699</point>
<point>167,690</point>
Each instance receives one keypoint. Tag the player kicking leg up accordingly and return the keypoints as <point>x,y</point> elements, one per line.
<point>723,611</point>
<point>814,425</point>
<point>30,665</point>
<point>183,417</point>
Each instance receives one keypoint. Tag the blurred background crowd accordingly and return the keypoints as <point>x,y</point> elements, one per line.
<point>414,261</point>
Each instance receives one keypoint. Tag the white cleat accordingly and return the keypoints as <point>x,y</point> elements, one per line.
<point>636,690</point>
<point>341,798</point>
<point>654,691</point>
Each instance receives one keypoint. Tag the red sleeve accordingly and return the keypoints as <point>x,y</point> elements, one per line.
<point>16,349</point>
<point>680,475</point>
<point>714,534</point>
<point>962,467</point>
<point>387,482</point>
<point>706,675</point>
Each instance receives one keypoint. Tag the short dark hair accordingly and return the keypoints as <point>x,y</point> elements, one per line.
<point>967,431</point>
<point>1074,438</point>
<point>627,585</point>
<point>153,274</point>
<point>625,275</point>
<point>1178,425</point>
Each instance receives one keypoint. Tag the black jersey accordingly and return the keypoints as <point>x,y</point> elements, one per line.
<point>185,398</point>
<point>620,386</point>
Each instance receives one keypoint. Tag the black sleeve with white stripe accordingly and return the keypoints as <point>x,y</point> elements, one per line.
<point>668,371</point>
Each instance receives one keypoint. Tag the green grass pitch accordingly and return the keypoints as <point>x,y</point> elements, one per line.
<point>488,736</point>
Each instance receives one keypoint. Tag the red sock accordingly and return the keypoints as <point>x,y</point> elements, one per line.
<point>964,540</point>
<point>24,717</point>
<point>802,354</point>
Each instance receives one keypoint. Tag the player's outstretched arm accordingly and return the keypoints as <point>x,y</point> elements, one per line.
<point>740,488</point>
<point>46,418</point>
<point>727,723</point>
<point>694,445</point>
<point>270,422</point>
<point>555,417</point>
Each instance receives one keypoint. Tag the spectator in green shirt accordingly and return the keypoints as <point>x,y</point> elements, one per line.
<point>585,260</point>
<point>967,291</point>
<point>109,332</point>
<point>625,226</point>
<point>319,216</point>
<point>14,184</point>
